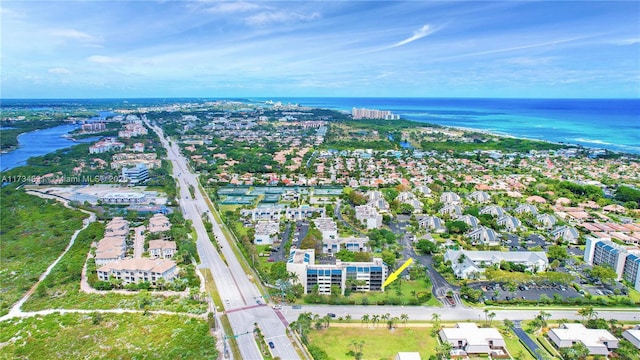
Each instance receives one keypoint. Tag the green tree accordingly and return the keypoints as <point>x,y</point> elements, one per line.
<point>557,252</point>
<point>588,312</point>
<point>577,351</point>
<point>604,273</point>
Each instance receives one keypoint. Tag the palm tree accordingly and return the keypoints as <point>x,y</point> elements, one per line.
<point>327,320</point>
<point>404,318</point>
<point>365,318</point>
<point>508,324</point>
<point>587,312</point>
<point>347,317</point>
<point>435,317</point>
<point>491,316</point>
<point>375,318</point>
<point>486,316</point>
<point>444,350</point>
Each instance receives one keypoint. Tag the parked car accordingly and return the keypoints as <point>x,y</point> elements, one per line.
<point>272,345</point>
<point>331,315</point>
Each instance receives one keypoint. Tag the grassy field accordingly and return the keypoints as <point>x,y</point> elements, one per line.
<point>379,343</point>
<point>34,233</point>
<point>106,336</point>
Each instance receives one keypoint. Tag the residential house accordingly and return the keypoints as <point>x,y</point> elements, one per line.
<point>266,232</point>
<point>162,249</point>
<point>159,223</point>
<point>598,341</point>
<point>327,227</point>
<point>479,197</point>
<point>468,264</point>
<point>633,336</point>
<point>470,220</point>
<point>376,199</point>
<point>546,221</point>
<point>368,216</point>
<point>452,210</point>
<point>449,197</point>
<point>432,223</point>
<point>510,223</point>
<point>110,249</point>
<point>526,209</point>
<point>484,235</point>
<point>565,233</point>
<point>472,339</point>
<point>353,244</point>
<point>493,210</point>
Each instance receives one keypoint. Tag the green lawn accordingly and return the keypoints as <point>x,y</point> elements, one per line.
<point>34,233</point>
<point>379,342</point>
<point>516,348</point>
<point>107,336</point>
<point>403,291</point>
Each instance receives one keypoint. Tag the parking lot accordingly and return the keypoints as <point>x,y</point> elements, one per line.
<point>501,292</point>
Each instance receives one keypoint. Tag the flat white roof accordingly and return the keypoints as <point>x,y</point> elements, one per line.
<point>578,332</point>
<point>472,333</point>
<point>408,356</point>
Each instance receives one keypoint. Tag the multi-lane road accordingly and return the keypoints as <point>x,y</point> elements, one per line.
<point>242,299</point>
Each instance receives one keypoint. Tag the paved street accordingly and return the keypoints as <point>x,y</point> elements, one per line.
<point>233,284</point>
<point>453,314</point>
<point>138,242</point>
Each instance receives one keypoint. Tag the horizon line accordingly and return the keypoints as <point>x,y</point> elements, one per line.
<point>322,97</point>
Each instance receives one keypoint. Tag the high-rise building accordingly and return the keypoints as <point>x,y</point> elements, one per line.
<point>363,113</point>
<point>624,261</point>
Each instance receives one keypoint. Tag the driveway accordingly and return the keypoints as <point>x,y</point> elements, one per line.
<point>138,242</point>
<point>528,342</point>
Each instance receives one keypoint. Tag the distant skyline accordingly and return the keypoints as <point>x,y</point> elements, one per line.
<point>518,49</point>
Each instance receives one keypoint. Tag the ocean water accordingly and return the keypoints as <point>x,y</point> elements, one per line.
<point>612,124</point>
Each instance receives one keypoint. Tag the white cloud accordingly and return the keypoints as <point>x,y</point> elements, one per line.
<point>101,59</point>
<point>425,30</point>
<point>530,61</point>
<point>233,7</point>
<point>624,42</point>
<point>61,71</point>
<point>73,34</point>
<point>280,17</point>
<point>6,13</point>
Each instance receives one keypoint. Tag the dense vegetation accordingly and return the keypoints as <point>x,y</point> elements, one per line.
<point>34,233</point>
<point>504,144</point>
<point>107,336</point>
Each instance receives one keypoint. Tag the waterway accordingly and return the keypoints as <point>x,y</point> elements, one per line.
<point>44,141</point>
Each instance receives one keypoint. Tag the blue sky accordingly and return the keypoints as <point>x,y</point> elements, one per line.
<point>327,48</point>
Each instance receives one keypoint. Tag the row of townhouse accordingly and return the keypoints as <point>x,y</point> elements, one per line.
<point>625,261</point>
<point>162,249</point>
<point>132,271</point>
<point>469,264</point>
<point>275,213</point>
<point>159,223</point>
<point>359,276</point>
<point>113,246</point>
